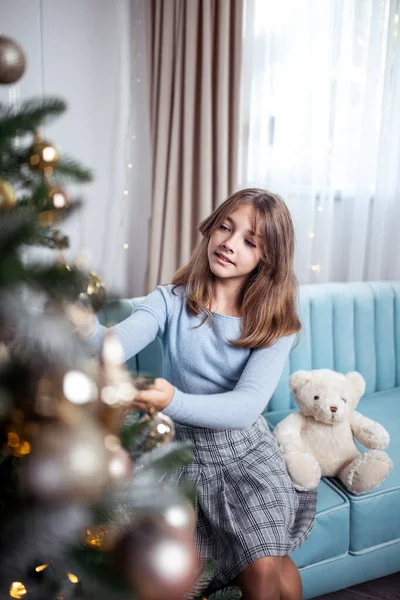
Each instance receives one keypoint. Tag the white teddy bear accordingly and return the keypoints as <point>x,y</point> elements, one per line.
<point>318,441</point>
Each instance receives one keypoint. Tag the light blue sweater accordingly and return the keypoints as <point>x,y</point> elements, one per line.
<point>217,385</point>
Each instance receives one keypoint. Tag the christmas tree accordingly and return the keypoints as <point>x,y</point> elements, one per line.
<point>82,511</point>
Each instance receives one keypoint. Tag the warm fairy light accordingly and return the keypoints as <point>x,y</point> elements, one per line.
<point>41,567</point>
<point>320,208</point>
<point>126,246</point>
<point>134,137</point>
<point>396,18</point>
<point>125,192</point>
<point>316,268</point>
<point>130,165</point>
<point>17,589</point>
<point>13,439</point>
<point>73,578</point>
<point>311,235</point>
<point>24,448</point>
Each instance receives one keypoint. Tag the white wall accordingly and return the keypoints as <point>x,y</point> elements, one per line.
<point>91,53</point>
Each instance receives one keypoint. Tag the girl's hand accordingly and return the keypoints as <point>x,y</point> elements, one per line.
<point>158,396</point>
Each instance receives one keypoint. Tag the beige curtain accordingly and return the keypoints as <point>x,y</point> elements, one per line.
<point>194,61</point>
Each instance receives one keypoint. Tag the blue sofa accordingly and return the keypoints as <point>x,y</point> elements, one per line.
<point>346,326</point>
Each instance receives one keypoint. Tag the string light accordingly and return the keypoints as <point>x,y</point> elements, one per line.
<point>320,208</point>
<point>17,589</point>
<point>134,137</point>
<point>126,246</point>
<point>311,235</point>
<point>126,192</point>
<point>41,567</point>
<point>130,165</point>
<point>73,578</point>
<point>316,268</point>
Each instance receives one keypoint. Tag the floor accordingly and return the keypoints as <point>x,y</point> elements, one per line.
<point>386,588</point>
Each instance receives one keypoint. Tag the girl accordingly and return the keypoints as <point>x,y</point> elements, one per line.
<point>227,323</point>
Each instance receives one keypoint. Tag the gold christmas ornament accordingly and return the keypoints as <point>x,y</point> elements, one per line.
<point>7,194</point>
<point>12,60</point>
<point>42,156</point>
<point>95,292</point>
<point>58,197</point>
<point>57,200</point>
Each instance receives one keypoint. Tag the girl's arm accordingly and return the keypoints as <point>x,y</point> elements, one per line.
<point>140,328</point>
<point>241,407</point>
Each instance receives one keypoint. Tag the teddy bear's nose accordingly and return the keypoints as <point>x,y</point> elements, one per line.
<point>333,409</point>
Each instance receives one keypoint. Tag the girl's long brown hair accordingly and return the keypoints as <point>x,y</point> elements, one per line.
<point>268,298</point>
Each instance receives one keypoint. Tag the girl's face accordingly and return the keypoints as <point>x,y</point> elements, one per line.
<point>233,248</point>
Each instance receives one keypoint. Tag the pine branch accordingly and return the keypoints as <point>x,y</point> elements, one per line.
<point>58,281</point>
<point>98,574</point>
<point>68,169</point>
<point>15,229</point>
<point>47,237</point>
<point>153,465</point>
<point>28,117</point>
<point>230,593</point>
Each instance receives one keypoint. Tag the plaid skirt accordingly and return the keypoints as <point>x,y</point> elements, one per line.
<point>246,504</point>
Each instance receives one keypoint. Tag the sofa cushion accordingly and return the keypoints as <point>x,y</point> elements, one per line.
<point>330,534</point>
<point>375,516</point>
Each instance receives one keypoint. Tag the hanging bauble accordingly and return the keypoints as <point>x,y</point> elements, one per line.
<point>66,464</point>
<point>95,292</point>
<point>157,561</point>
<point>7,194</point>
<point>12,60</point>
<point>169,506</point>
<point>160,431</point>
<point>42,156</point>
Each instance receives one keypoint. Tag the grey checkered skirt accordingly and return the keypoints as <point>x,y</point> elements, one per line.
<point>247,506</point>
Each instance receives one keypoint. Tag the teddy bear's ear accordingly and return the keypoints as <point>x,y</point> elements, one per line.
<point>357,382</point>
<point>298,379</point>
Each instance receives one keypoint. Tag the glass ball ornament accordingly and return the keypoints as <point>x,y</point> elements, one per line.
<point>160,430</point>
<point>66,463</point>
<point>158,562</point>
<point>95,293</point>
<point>12,60</point>
<point>43,156</point>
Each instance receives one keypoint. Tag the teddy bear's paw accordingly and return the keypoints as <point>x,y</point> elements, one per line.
<point>367,471</point>
<point>303,469</point>
<point>375,437</point>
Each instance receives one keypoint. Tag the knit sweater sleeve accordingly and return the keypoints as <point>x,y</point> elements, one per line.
<point>147,321</point>
<point>239,408</point>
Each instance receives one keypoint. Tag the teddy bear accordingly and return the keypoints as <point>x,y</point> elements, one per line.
<point>319,442</point>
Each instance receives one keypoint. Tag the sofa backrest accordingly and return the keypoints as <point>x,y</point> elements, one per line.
<point>346,327</point>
